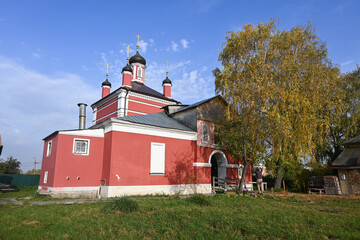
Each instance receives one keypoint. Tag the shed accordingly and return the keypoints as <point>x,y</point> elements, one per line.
<point>348,167</point>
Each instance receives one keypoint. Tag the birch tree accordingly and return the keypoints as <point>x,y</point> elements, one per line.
<point>282,81</point>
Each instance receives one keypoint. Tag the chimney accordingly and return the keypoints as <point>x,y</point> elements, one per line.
<point>82,115</point>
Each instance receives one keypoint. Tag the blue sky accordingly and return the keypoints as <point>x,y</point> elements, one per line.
<point>53,53</point>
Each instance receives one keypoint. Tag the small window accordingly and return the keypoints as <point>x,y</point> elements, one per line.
<point>205,133</point>
<point>45,176</point>
<point>48,151</point>
<point>81,146</point>
<point>139,72</point>
<point>157,161</point>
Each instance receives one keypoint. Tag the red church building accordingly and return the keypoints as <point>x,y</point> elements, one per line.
<point>141,142</point>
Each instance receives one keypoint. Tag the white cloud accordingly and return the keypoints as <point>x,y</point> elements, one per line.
<point>347,62</point>
<point>36,55</point>
<point>184,43</point>
<point>143,46</point>
<point>33,105</point>
<point>174,46</point>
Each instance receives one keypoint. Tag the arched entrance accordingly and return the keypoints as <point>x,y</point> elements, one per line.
<point>218,164</point>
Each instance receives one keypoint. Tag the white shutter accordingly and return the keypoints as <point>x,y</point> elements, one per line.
<point>157,165</point>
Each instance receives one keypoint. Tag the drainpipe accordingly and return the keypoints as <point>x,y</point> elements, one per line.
<point>82,115</point>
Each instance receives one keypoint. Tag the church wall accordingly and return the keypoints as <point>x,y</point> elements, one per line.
<point>130,160</point>
<point>157,103</point>
<point>142,108</point>
<point>48,162</point>
<point>74,170</point>
<point>111,108</point>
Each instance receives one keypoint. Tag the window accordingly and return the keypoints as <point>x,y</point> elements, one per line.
<point>213,135</point>
<point>205,133</point>
<point>45,176</point>
<point>157,161</point>
<point>139,72</point>
<point>81,146</point>
<point>48,152</point>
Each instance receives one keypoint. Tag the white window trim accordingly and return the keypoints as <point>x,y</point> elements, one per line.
<point>151,160</point>
<point>45,176</point>
<point>48,149</point>
<point>88,146</point>
<point>139,72</point>
<point>202,133</point>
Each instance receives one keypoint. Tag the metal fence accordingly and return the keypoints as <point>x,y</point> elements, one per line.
<point>20,180</point>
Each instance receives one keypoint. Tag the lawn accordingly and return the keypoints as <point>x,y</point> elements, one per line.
<point>224,217</point>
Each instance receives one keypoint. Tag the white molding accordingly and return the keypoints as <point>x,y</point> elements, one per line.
<point>201,164</point>
<point>143,96</point>
<point>105,86</point>
<point>107,115</point>
<point>182,189</point>
<point>137,101</point>
<point>69,189</point>
<point>103,101</point>
<point>218,151</point>
<point>167,84</point>
<point>107,105</point>
<point>137,128</point>
<point>85,132</point>
<point>137,112</point>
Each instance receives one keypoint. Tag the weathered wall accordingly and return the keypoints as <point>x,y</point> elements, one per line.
<point>187,118</point>
<point>354,180</point>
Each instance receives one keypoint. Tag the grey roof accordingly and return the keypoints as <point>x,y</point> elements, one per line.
<point>159,119</point>
<point>347,159</point>
<point>353,140</point>
<point>199,103</point>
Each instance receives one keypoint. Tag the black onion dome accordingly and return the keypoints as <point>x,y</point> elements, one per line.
<point>167,80</point>
<point>127,68</point>
<point>137,58</point>
<point>106,83</point>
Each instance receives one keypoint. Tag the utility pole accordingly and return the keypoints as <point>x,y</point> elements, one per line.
<point>35,162</point>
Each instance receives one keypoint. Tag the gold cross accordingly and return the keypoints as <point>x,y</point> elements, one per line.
<point>128,49</point>
<point>167,68</point>
<point>138,42</point>
<point>107,68</point>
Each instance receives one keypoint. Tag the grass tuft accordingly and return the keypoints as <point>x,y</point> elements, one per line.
<point>122,204</point>
<point>200,199</point>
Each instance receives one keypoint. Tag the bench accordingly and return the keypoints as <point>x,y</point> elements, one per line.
<point>315,190</point>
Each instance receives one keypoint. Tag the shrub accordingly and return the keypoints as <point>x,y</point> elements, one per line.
<point>200,199</point>
<point>122,204</point>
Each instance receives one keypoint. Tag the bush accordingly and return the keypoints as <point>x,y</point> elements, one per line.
<point>200,199</point>
<point>122,204</point>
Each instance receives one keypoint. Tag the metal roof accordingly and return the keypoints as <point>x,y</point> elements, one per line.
<point>199,103</point>
<point>139,88</point>
<point>159,119</point>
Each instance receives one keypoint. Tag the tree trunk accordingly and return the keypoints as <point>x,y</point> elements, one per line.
<point>242,181</point>
<point>279,176</point>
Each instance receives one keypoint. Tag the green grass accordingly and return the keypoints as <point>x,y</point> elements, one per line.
<point>227,217</point>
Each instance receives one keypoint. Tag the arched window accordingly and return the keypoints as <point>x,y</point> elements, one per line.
<point>139,72</point>
<point>205,133</point>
